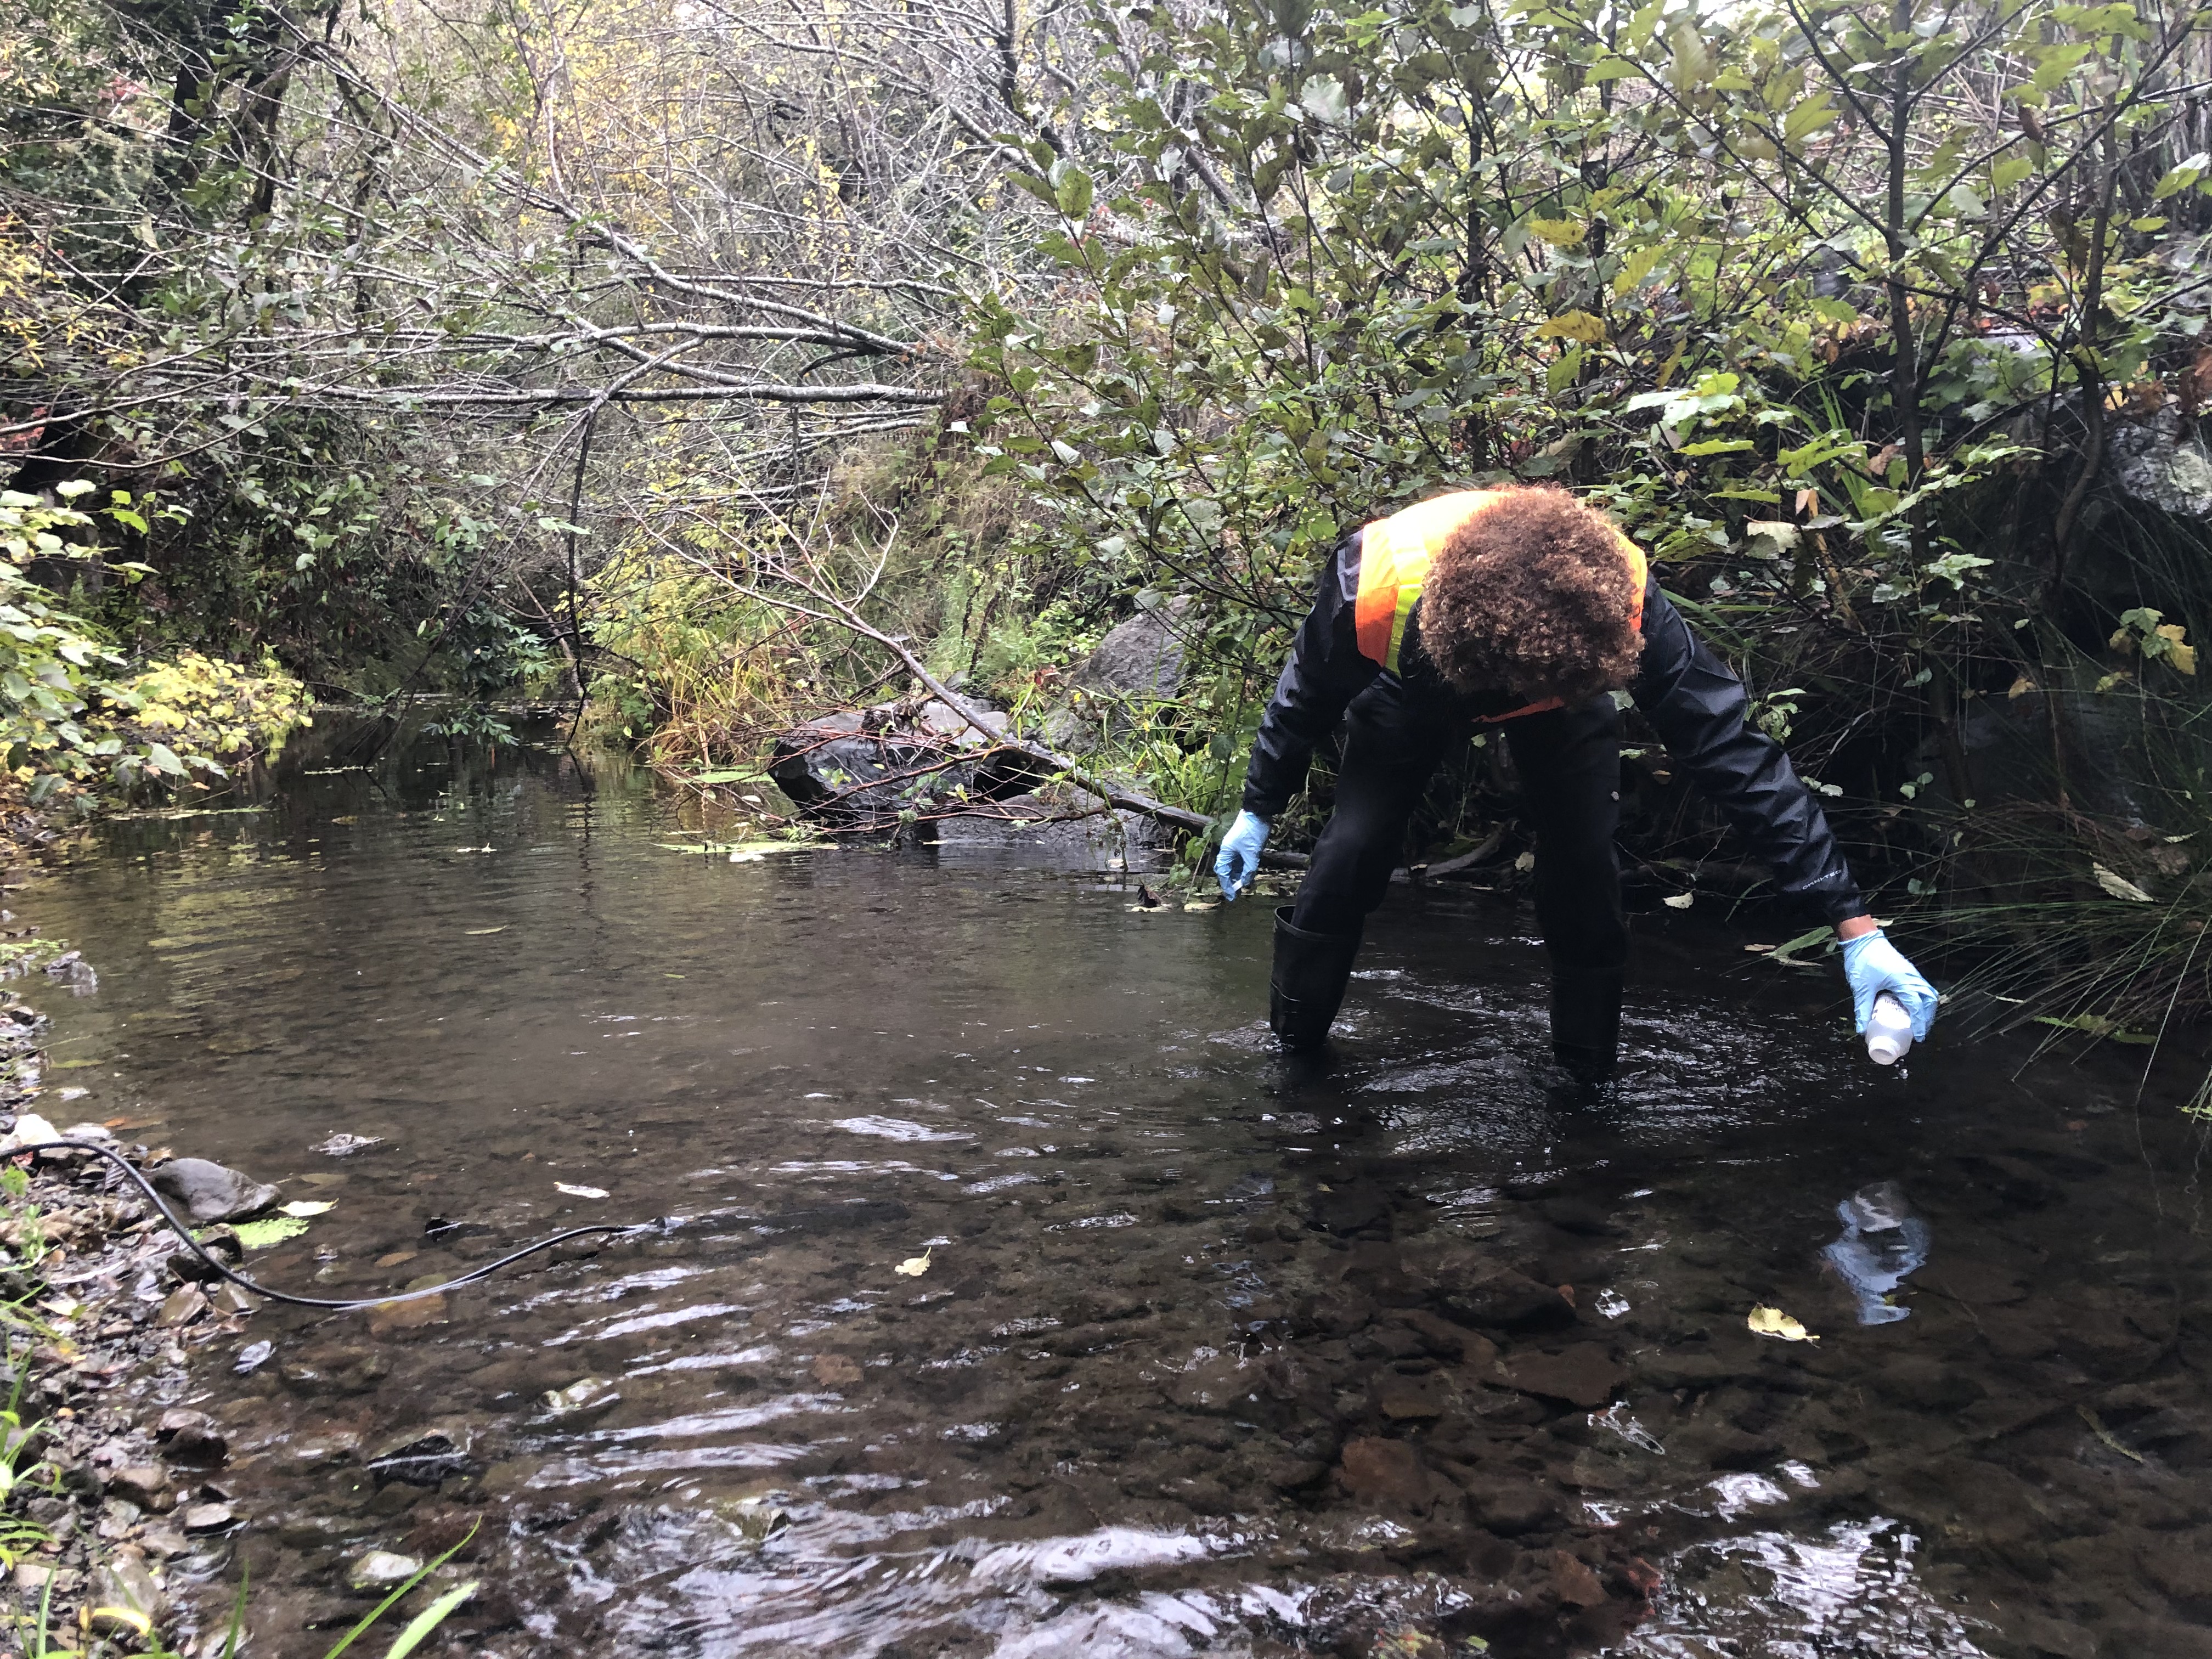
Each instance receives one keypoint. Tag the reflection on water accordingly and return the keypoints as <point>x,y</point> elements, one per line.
<point>1208,1356</point>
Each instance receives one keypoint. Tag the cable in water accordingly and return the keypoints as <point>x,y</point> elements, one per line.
<point>347,1305</point>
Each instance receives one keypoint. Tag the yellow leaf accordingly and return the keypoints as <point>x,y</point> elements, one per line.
<point>1577,326</point>
<point>1772,1322</point>
<point>304,1207</point>
<point>2022,687</point>
<point>914,1267</point>
<point>1678,900</point>
<point>1560,233</point>
<point>2183,657</point>
<point>2118,885</point>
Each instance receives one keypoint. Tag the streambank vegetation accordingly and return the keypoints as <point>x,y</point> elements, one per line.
<point>725,368</point>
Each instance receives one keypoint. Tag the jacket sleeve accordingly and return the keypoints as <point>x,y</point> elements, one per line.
<point>1698,707</point>
<point>1324,674</point>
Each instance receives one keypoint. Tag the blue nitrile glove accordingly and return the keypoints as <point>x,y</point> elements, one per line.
<point>1240,854</point>
<point>1874,965</point>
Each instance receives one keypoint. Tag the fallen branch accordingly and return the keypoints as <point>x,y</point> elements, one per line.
<point>841,613</point>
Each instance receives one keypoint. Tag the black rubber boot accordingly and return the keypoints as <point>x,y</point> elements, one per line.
<point>1586,1022</point>
<point>1307,987</point>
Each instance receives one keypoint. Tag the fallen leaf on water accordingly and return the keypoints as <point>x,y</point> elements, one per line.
<point>304,1207</point>
<point>579,1192</point>
<point>914,1267</point>
<point>1772,1322</point>
<point>260,1234</point>
<point>2097,1427</point>
<point>475,933</point>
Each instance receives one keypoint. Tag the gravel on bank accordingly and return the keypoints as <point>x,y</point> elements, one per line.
<point>116,1495</point>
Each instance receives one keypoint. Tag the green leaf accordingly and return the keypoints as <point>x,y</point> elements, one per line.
<point>260,1234</point>
<point>2182,175</point>
<point>1322,98</point>
<point>1808,117</point>
<point>428,1619</point>
<point>1073,195</point>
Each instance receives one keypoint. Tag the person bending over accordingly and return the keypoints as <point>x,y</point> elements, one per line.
<point>1523,608</point>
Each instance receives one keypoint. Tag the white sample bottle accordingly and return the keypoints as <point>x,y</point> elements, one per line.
<point>1889,1032</point>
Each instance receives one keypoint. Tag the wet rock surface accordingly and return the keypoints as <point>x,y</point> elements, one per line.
<point>1206,1356</point>
<point>205,1191</point>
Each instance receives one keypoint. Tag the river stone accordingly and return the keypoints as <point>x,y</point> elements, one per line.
<point>1981,1284</point>
<point>146,1485</point>
<point>1502,1299</point>
<point>1410,1399</point>
<point>1584,1375</point>
<point>191,1438</point>
<point>209,1191</point>
<point>1509,1507</point>
<point>586,1397</point>
<point>1387,1474</point>
<point>382,1569</point>
<point>836,1371</point>
<point>1216,1384</point>
<point>423,1458</point>
<point>1576,1585</point>
<point>206,1517</point>
<point>123,1587</point>
<point>1928,1384</point>
<point>30,1129</point>
<point>182,1307</point>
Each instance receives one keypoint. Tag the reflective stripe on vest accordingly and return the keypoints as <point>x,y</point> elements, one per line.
<point>1394,556</point>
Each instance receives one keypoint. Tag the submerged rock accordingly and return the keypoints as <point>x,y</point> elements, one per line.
<point>382,1569</point>
<point>1584,1375</point>
<point>423,1458</point>
<point>191,1438</point>
<point>206,1517</point>
<point>207,1191</point>
<point>146,1485</point>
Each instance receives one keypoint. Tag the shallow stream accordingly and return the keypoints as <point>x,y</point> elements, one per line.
<point>1205,1357</point>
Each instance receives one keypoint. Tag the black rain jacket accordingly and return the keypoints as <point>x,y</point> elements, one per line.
<point>1688,695</point>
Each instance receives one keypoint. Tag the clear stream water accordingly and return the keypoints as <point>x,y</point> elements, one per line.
<point>1207,1357</point>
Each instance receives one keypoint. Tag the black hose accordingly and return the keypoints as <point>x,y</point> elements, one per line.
<point>346,1306</point>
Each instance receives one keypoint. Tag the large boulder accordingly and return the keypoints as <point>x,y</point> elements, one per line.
<point>1141,657</point>
<point>867,766</point>
<point>2160,460</point>
<point>1142,661</point>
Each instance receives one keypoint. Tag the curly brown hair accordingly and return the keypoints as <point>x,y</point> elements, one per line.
<point>1533,594</point>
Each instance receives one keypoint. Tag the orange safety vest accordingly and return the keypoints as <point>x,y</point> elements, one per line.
<point>1394,556</point>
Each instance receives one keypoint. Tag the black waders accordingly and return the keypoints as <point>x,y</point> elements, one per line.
<point>1307,986</point>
